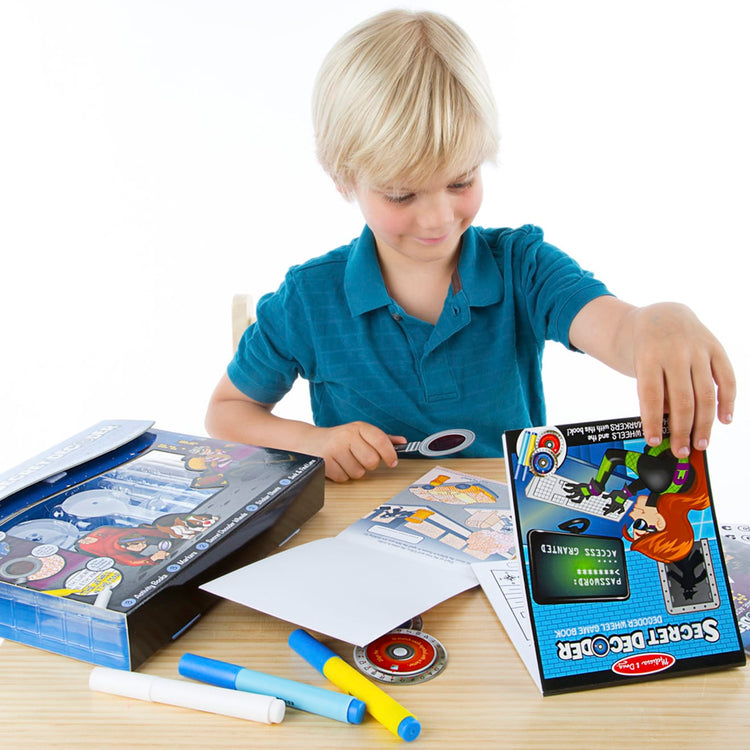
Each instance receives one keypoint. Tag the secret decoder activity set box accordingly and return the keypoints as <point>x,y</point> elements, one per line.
<point>106,537</point>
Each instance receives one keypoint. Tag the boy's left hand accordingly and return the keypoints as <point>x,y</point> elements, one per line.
<point>680,367</point>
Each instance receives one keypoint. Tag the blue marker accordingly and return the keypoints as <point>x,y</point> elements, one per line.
<point>295,694</point>
<point>379,704</point>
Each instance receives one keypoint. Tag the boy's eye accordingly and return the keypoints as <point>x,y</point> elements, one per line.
<point>399,197</point>
<point>406,197</point>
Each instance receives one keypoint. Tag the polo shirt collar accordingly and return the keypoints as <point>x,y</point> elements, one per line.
<point>365,289</point>
<point>363,281</point>
<point>481,279</point>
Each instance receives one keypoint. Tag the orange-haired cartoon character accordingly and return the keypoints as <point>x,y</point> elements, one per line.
<point>665,490</point>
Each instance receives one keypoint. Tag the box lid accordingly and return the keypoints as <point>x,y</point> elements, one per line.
<point>93,443</point>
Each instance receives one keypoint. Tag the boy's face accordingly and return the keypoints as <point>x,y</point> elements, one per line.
<point>422,223</point>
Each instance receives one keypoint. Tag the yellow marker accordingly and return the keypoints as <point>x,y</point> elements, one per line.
<point>380,705</point>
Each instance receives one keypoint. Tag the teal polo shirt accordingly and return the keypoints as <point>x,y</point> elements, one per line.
<point>333,323</point>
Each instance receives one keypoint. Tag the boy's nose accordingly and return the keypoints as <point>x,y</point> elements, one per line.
<point>435,212</point>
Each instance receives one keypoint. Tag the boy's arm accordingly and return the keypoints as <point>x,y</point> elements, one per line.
<point>676,360</point>
<point>349,450</point>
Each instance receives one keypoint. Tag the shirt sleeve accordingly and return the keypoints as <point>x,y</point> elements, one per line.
<point>553,287</point>
<point>273,350</point>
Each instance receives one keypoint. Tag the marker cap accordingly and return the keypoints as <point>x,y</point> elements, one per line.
<point>409,729</point>
<point>355,714</point>
<point>310,649</point>
<point>208,670</point>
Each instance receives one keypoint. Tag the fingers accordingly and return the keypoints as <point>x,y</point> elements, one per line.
<point>345,464</point>
<point>375,446</point>
<point>727,386</point>
<point>694,402</point>
<point>681,370</point>
<point>705,407</point>
<point>693,390</point>
<point>335,471</point>
<point>652,399</point>
<point>351,450</point>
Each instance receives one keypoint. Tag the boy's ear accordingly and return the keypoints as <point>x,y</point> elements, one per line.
<point>346,192</point>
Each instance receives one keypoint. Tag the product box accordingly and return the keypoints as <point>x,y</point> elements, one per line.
<point>106,538</point>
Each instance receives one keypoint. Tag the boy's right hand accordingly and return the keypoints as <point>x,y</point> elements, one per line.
<point>351,450</point>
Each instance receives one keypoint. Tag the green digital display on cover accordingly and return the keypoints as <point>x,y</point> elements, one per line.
<point>576,567</point>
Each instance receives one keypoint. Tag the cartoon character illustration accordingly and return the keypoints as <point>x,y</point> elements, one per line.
<point>212,462</point>
<point>205,457</point>
<point>126,545</point>
<point>665,489</point>
<point>456,493</point>
<point>686,576</point>
<point>184,525</point>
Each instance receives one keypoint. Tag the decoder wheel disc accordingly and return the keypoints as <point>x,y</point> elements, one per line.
<point>47,531</point>
<point>415,623</point>
<point>402,656</point>
<point>551,440</point>
<point>543,462</point>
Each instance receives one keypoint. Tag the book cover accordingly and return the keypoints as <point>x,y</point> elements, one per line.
<point>620,572</point>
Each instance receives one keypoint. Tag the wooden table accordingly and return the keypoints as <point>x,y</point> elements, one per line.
<point>483,699</point>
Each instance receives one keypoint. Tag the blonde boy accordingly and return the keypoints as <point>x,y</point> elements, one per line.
<point>426,322</point>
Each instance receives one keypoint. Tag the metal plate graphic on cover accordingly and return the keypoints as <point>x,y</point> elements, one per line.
<point>689,585</point>
<point>402,656</point>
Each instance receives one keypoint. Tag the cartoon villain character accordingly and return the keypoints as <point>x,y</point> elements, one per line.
<point>665,490</point>
<point>125,545</point>
<point>184,525</point>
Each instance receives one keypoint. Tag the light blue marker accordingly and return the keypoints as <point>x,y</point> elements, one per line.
<point>295,694</point>
<point>380,705</point>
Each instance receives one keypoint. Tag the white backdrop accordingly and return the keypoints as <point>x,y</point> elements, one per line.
<point>156,157</point>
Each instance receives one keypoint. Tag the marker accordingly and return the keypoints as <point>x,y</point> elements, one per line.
<point>380,705</point>
<point>215,700</point>
<point>295,694</point>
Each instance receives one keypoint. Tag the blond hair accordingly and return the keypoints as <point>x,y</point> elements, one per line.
<point>400,98</point>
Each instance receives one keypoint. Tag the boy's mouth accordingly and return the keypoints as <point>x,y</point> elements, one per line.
<point>432,240</point>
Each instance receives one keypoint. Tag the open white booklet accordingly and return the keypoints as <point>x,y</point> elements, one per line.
<point>503,585</point>
<point>401,559</point>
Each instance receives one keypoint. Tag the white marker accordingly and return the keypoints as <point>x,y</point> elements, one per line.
<point>103,597</point>
<point>216,700</point>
